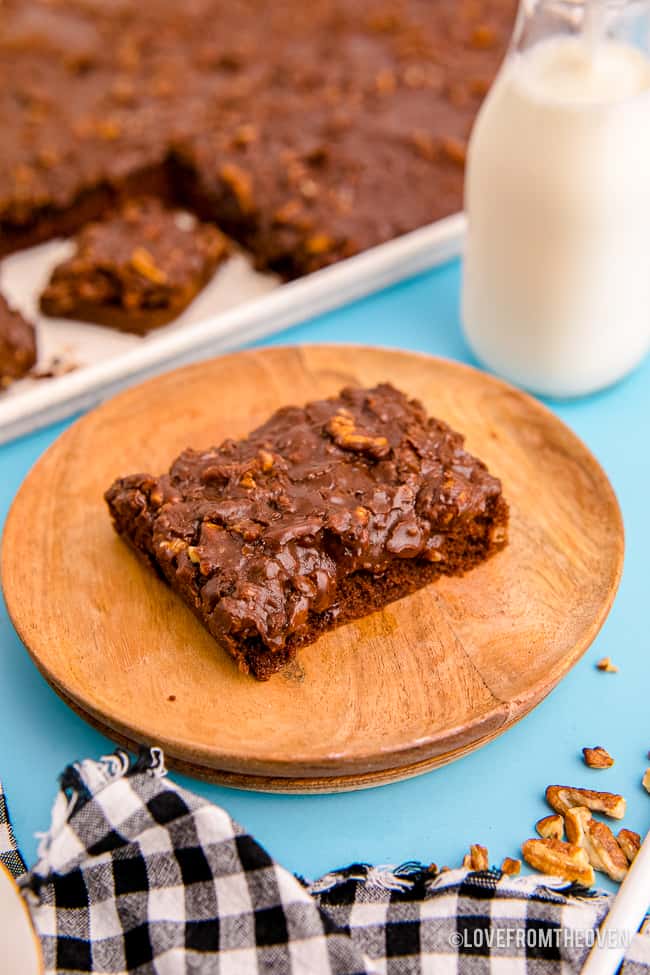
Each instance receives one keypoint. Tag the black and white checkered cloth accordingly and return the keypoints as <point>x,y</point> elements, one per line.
<point>9,855</point>
<point>138,875</point>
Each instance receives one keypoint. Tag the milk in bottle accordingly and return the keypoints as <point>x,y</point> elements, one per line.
<point>556,292</point>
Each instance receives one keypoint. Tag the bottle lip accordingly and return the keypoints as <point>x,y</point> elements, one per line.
<point>573,14</point>
<point>570,8</point>
<point>568,5</point>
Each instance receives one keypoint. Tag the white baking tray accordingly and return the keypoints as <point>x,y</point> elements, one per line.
<point>238,306</point>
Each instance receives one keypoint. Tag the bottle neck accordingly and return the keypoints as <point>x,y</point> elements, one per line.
<point>622,20</point>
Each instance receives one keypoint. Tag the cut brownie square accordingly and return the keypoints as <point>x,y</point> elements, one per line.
<point>17,344</point>
<point>320,516</point>
<point>135,270</point>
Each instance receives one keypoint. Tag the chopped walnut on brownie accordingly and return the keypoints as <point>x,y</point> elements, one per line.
<point>17,344</point>
<point>135,270</point>
<point>322,515</point>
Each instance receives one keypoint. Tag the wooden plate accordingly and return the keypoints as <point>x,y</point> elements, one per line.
<point>431,677</point>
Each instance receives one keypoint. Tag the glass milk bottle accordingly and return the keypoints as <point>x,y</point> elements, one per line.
<point>556,290</point>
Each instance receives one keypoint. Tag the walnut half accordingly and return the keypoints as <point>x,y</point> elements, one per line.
<point>561,798</point>
<point>598,841</point>
<point>558,859</point>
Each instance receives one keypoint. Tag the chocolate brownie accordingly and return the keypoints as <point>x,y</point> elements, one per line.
<point>322,515</point>
<point>308,132</point>
<point>135,270</point>
<point>17,344</point>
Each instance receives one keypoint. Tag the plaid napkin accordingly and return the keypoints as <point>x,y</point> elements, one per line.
<point>138,875</point>
<point>9,855</point>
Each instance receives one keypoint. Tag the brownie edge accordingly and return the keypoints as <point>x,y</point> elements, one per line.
<point>17,344</point>
<point>322,515</point>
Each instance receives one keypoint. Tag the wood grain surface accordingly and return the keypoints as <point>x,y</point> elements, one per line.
<point>403,690</point>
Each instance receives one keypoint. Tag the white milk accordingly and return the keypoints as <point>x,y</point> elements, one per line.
<point>557,272</point>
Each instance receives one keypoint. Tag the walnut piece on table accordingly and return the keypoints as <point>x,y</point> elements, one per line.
<point>598,841</point>
<point>597,757</point>
<point>558,859</point>
<point>551,827</point>
<point>480,857</point>
<point>561,798</point>
<point>511,867</point>
<point>629,842</point>
<point>477,858</point>
<point>605,664</point>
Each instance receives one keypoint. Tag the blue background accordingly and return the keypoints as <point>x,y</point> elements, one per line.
<point>493,796</point>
